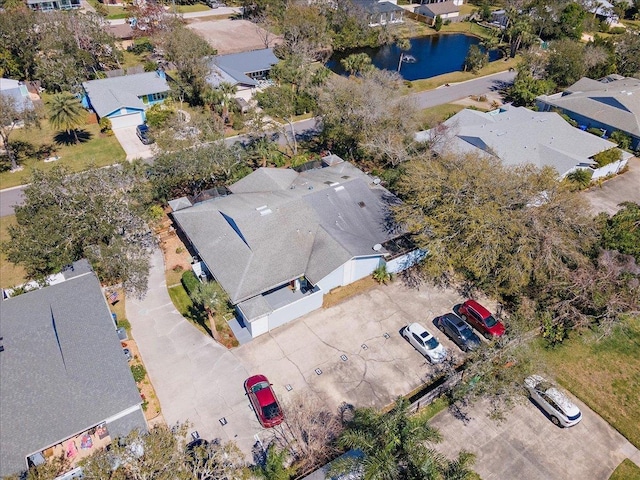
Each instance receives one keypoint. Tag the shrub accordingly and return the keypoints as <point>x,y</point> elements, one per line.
<point>381,275</point>
<point>158,114</point>
<point>150,66</point>
<point>622,139</point>
<point>105,125</point>
<point>139,372</point>
<point>140,46</point>
<point>190,282</point>
<point>580,179</point>
<point>438,23</point>
<point>608,156</point>
<point>617,30</point>
<point>237,122</point>
<point>595,131</point>
<point>177,268</point>
<point>569,120</point>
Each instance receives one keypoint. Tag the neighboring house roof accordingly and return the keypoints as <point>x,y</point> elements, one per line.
<point>549,139</point>
<point>108,95</point>
<point>239,65</point>
<point>440,8</point>
<point>279,224</point>
<point>615,103</point>
<point>375,7</point>
<point>217,76</point>
<point>16,90</point>
<point>62,368</point>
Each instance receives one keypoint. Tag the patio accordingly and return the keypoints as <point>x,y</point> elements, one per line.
<point>75,448</point>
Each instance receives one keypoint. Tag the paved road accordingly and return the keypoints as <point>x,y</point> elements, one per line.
<point>526,445</point>
<point>308,127</point>
<point>9,197</point>
<point>478,86</point>
<point>206,13</point>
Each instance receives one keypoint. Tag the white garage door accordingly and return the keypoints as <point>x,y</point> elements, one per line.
<point>129,120</point>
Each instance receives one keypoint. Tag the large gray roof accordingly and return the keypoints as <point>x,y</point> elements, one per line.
<point>518,136</point>
<point>278,225</point>
<point>110,94</point>
<point>615,103</point>
<point>375,7</point>
<point>440,8</point>
<point>62,369</point>
<point>239,65</point>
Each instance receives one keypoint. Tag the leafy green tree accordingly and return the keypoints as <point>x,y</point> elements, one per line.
<point>566,62</point>
<point>94,215</point>
<point>475,59</point>
<point>580,178</point>
<point>357,64</point>
<point>438,23</point>
<point>12,115</point>
<point>518,31</point>
<point>65,112</point>
<point>189,52</point>
<point>621,232</point>
<point>571,20</point>
<point>191,171</point>
<point>525,89</point>
<point>306,33</point>
<point>608,156</point>
<point>19,40</point>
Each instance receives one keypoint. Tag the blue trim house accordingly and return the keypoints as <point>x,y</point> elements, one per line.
<point>124,100</point>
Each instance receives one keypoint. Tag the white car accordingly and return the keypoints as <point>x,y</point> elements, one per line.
<point>424,342</point>
<point>563,412</point>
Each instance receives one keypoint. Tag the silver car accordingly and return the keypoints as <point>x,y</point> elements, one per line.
<point>424,342</point>
<point>562,411</point>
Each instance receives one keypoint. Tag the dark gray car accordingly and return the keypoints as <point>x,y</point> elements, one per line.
<point>458,330</point>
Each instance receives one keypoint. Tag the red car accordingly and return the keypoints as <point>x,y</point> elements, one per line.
<point>481,319</point>
<point>264,401</point>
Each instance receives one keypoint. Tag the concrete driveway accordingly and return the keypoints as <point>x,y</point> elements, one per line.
<point>131,144</point>
<point>622,188</point>
<point>526,445</point>
<point>198,380</point>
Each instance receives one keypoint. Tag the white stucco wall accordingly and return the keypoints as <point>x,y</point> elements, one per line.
<point>610,169</point>
<point>360,267</point>
<point>405,261</point>
<point>258,326</point>
<point>333,280</point>
<point>289,312</point>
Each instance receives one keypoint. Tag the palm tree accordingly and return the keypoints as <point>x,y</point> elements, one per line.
<point>65,112</point>
<point>394,445</point>
<point>228,91</point>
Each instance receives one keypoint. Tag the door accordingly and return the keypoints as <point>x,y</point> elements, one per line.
<point>128,120</point>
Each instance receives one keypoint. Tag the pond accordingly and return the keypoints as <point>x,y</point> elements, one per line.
<point>434,55</point>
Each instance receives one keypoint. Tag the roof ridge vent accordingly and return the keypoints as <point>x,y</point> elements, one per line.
<point>262,207</point>
<point>333,184</point>
<point>265,211</point>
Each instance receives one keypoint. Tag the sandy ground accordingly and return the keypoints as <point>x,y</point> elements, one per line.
<point>231,36</point>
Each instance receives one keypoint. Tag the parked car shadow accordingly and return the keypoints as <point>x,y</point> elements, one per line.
<point>541,410</point>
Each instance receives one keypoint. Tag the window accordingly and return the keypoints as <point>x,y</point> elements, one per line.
<point>156,97</point>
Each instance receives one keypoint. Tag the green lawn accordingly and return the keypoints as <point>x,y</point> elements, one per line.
<point>603,374</point>
<point>455,77</point>
<point>197,7</point>
<point>430,117</point>
<point>10,275</point>
<point>627,470</point>
<point>98,150</point>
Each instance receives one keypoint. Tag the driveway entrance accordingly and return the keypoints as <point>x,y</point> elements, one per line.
<point>131,144</point>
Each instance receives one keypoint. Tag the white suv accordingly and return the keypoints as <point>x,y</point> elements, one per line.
<point>563,412</point>
<point>424,342</point>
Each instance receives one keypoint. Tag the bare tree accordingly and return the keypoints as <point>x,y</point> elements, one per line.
<point>309,431</point>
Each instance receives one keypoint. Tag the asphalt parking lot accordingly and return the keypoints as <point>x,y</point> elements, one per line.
<point>526,445</point>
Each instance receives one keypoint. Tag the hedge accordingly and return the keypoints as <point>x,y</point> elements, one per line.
<point>190,281</point>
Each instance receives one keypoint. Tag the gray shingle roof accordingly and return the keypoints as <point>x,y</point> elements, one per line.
<point>440,8</point>
<point>239,65</point>
<point>615,103</point>
<point>62,368</point>
<point>279,225</point>
<point>375,7</point>
<point>110,94</point>
<point>12,88</point>
<point>549,139</point>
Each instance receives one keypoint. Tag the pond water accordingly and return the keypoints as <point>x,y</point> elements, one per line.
<point>434,55</point>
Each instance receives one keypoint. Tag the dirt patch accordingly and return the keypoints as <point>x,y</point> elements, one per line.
<point>486,102</point>
<point>177,258</point>
<point>340,294</point>
<point>232,36</point>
